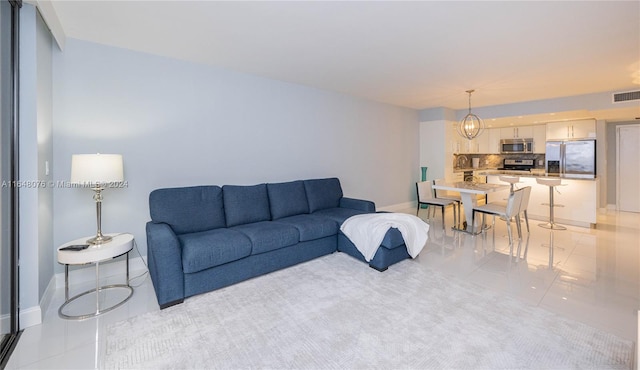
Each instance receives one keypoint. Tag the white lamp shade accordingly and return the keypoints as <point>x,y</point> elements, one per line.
<point>96,169</point>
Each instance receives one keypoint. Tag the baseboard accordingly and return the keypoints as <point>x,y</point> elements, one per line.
<point>47,297</point>
<point>30,317</point>
<point>33,315</point>
<point>398,207</point>
<point>5,324</point>
<point>612,207</point>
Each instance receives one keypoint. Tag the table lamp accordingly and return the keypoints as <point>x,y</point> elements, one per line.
<point>97,171</point>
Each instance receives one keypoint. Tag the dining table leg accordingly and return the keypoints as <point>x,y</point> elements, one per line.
<point>469,202</point>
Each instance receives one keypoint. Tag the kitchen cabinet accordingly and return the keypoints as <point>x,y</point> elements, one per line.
<point>539,138</point>
<point>494,140</point>
<point>456,177</point>
<point>483,142</point>
<point>520,132</point>
<point>465,146</point>
<point>460,144</point>
<point>487,143</point>
<point>473,146</point>
<point>580,129</point>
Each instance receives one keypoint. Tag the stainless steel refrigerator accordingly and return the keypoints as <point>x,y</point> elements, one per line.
<point>576,158</point>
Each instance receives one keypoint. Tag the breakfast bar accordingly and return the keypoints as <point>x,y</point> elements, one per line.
<point>576,200</point>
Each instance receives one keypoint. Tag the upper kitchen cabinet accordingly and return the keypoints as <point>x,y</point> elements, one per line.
<point>493,137</point>
<point>520,132</point>
<point>483,142</point>
<point>580,129</point>
<point>464,146</point>
<point>487,143</point>
<point>539,138</point>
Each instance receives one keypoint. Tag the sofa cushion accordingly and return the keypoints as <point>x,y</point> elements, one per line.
<point>246,204</point>
<point>188,209</point>
<point>312,227</point>
<point>206,249</point>
<point>339,215</point>
<point>266,236</point>
<point>287,199</point>
<point>323,193</point>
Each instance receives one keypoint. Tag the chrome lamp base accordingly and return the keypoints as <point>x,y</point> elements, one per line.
<point>99,239</point>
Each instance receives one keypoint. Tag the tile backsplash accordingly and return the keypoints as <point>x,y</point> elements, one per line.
<point>464,161</point>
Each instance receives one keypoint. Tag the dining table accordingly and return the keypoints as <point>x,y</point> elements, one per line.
<point>469,191</point>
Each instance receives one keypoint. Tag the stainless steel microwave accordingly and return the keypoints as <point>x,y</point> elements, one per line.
<point>517,146</point>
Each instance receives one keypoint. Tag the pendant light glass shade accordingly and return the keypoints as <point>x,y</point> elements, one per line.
<point>471,125</point>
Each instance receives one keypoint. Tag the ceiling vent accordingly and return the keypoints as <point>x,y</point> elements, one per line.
<point>626,96</point>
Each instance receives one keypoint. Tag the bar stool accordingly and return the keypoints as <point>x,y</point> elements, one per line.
<point>551,183</point>
<point>511,180</point>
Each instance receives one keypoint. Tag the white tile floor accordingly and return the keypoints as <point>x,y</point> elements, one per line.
<point>594,278</point>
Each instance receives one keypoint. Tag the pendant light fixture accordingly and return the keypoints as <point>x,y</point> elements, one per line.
<point>471,125</point>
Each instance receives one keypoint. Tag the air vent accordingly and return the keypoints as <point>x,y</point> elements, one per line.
<point>626,96</point>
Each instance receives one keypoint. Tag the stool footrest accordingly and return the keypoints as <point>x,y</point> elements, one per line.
<point>555,205</point>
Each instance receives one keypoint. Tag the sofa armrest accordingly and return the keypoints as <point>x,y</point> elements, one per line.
<point>359,204</point>
<point>165,264</point>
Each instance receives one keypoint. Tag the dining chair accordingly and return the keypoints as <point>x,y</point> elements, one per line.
<point>426,196</point>
<point>508,212</point>
<point>525,204</point>
<point>525,198</point>
<point>448,196</point>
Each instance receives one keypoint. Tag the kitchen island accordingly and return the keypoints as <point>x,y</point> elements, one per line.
<point>576,199</point>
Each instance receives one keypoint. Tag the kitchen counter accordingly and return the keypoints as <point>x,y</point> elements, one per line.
<point>467,169</point>
<point>489,172</point>
<point>579,199</point>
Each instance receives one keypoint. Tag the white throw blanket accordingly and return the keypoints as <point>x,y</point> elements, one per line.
<point>367,231</point>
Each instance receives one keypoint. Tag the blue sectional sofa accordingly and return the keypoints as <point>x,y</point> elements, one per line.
<point>204,238</point>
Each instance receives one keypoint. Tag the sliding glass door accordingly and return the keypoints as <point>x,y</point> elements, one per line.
<point>8,173</point>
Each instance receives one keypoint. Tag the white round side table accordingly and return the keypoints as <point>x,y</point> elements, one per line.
<point>94,254</point>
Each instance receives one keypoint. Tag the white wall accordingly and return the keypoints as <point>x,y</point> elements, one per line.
<point>44,137</point>
<point>601,162</point>
<point>180,124</point>
<point>591,102</point>
<point>35,140</point>
<point>611,147</point>
<point>433,148</point>
<point>28,197</point>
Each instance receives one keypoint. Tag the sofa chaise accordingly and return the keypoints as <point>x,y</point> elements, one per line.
<point>203,238</point>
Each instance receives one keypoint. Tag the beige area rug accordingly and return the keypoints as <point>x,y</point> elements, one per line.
<point>337,313</point>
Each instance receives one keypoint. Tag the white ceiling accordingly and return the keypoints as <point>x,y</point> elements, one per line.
<point>412,54</point>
